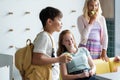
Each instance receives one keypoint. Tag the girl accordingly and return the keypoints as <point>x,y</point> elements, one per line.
<point>81,67</point>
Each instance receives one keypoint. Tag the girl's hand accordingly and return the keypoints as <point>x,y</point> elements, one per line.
<point>91,72</point>
<point>84,74</point>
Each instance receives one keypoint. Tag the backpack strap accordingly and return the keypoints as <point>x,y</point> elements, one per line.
<point>53,51</point>
<point>51,40</point>
<point>28,42</point>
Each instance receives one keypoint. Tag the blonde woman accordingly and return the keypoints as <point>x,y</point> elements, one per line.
<point>93,30</point>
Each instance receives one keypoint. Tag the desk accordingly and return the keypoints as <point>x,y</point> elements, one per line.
<point>7,60</point>
<point>109,76</point>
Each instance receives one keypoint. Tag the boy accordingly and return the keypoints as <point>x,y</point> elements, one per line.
<point>44,45</point>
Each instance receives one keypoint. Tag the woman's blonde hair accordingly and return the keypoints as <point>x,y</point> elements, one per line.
<point>85,8</point>
<point>61,47</point>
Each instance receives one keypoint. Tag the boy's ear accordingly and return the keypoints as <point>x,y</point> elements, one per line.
<point>49,21</point>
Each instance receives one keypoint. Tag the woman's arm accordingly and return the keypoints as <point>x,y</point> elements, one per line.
<point>104,33</point>
<point>104,39</point>
<point>84,29</point>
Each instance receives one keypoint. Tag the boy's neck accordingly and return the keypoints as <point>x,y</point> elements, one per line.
<point>48,31</point>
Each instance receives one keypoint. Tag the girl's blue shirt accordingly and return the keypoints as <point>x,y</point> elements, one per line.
<point>79,60</point>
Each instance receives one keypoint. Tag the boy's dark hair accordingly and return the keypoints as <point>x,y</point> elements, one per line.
<point>49,12</point>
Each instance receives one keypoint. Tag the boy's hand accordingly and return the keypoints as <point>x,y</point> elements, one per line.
<point>64,58</point>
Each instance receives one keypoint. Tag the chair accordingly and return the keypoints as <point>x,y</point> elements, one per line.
<point>101,66</point>
<point>7,60</point>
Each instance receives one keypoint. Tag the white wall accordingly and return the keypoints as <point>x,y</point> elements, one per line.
<point>108,9</point>
<point>19,21</point>
<point>117,27</point>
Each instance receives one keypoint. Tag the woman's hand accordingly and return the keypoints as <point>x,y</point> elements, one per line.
<point>117,59</point>
<point>92,16</point>
<point>104,55</point>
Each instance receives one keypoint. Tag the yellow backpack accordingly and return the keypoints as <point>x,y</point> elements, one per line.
<point>23,58</point>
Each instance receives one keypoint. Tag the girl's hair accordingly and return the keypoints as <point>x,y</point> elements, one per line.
<point>85,8</point>
<point>61,47</point>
